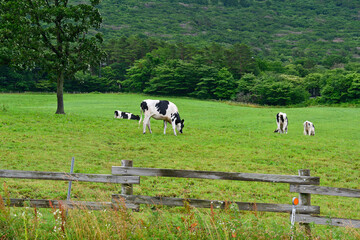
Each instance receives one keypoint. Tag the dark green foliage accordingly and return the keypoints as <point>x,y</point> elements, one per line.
<point>206,82</point>
<point>277,90</point>
<point>340,86</point>
<point>15,80</point>
<point>353,66</point>
<point>186,71</point>
<point>225,85</point>
<point>278,30</point>
<point>313,84</point>
<point>52,35</point>
<point>139,75</point>
<point>174,77</point>
<point>240,60</point>
<point>124,51</point>
<point>354,90</point>
<point>92,83</point>
<point>333,60</point>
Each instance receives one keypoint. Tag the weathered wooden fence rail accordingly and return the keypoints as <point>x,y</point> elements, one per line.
<point>199,203</point>
<point>342,192</point>
<point>156,172</point>
<point>80,177</point>
<point>126,175</point>
<point>58,176</point>
<point>340,222</point>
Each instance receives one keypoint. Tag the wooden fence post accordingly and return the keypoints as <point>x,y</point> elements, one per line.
<point>305,199</point>
<point>126,189</point>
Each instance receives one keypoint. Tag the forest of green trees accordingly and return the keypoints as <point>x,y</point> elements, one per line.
<point>262,52</point>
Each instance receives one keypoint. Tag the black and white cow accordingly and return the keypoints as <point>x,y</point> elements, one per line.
<point>161,110</point>
<point>282,122</point>
<point>125,115</point>
<point>309,128</point>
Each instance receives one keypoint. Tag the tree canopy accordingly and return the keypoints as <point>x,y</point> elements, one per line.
<point>53,36</point>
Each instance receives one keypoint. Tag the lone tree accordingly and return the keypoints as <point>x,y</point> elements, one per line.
<point>52,35</point>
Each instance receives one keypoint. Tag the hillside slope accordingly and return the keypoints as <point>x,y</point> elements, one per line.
<point>274,29</point>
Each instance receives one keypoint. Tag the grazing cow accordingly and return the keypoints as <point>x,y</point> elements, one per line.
<point>161,110</point>
<point>125,115</point>
<point>309,128</point>
<point>282,123</point>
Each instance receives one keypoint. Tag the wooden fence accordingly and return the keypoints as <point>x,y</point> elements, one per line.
<point>127,175</point>
<point>304,184</point>
<point>267,207</point>
<point>79,177</point>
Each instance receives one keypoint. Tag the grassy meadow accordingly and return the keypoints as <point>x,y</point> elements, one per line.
<point>218,136</point>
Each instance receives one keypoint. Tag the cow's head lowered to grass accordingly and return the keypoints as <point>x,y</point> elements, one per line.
<point>282,123</point>
<point>309,128</point>
<point>161,110</point>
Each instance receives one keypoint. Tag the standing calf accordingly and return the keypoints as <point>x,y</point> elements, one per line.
<point>161,110</point>
<point>282,123</point>
<point>309,128</point>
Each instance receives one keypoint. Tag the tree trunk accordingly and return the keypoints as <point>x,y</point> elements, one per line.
<point>60,98</point>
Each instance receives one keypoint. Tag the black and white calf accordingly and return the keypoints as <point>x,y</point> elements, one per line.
<point>125,115</point>
<point>161,110</point>
<point>282,122</point>
<point>309,128</point>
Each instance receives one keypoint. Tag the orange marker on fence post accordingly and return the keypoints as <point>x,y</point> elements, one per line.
<point>295,201</point>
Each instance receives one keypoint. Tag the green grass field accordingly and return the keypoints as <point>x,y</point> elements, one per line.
<point>218,136</point>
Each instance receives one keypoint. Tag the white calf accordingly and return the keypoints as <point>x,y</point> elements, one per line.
<point>282,123</point>
<point>161,110</point>
<point>309,128</point>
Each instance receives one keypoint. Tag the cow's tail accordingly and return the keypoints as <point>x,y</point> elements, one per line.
<point>141,114</point>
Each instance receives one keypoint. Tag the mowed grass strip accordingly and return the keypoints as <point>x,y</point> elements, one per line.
<point>217,137</point>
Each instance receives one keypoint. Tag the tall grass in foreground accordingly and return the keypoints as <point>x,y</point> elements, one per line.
<point>150,223</point>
